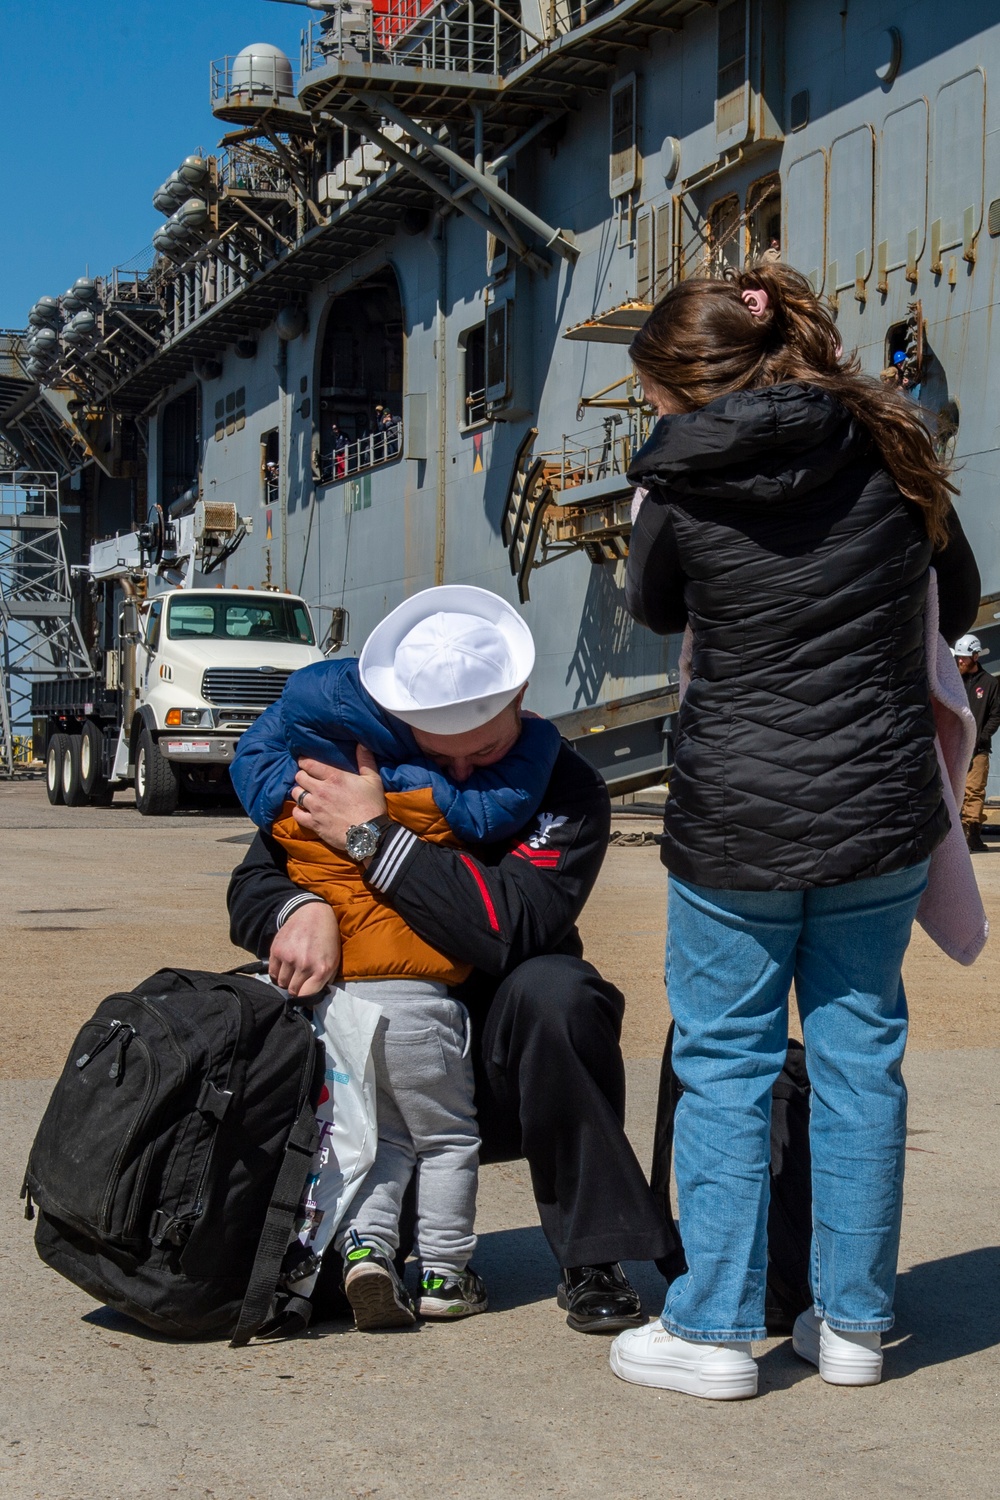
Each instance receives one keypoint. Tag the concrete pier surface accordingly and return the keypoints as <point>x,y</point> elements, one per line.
<point>512,1403</point>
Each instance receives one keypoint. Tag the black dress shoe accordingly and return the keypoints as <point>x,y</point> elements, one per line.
<point>599,1299</point>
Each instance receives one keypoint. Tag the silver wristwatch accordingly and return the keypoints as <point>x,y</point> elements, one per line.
<point>363,838</point>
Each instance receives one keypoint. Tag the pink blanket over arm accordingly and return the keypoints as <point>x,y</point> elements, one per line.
<point>951,910</point>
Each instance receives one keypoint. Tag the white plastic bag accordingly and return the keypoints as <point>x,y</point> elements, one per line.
<point>346,1025</point>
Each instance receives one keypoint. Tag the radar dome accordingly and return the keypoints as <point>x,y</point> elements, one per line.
<point>262,69</point>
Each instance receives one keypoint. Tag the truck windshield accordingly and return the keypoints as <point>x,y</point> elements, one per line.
<point>229,617</point>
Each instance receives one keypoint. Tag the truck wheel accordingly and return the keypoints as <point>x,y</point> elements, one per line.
<point>156,784</point>
<point>72,788</point>
<point>53,768</point>
<point>92,777</point>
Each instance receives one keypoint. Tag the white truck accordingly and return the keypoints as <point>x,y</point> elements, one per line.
<point>183,666</point>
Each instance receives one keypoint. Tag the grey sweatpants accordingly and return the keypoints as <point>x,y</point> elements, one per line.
<point>426,1124</point>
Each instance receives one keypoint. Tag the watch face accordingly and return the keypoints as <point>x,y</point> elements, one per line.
<point>362,840</point>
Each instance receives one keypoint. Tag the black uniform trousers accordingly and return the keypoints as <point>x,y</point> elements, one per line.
<point>550,1087</point>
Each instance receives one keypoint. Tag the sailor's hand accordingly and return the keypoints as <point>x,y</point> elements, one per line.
<point>305,954</point>
<point>329,802</point>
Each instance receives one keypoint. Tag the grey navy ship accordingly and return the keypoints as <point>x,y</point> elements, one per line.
<point>388,317</point>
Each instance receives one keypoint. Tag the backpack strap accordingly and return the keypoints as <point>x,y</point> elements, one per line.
<point>299,1151</point>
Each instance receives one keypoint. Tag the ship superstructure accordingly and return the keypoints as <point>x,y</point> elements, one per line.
<point>389,317</point>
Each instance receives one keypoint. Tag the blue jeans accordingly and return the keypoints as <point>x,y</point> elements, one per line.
<point>731,959</point>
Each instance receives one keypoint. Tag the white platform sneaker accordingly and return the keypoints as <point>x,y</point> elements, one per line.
<point>843,1358</point>
<point>651,1356</point>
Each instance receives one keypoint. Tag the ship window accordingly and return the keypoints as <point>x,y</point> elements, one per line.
<point>472,348</point>
<point>725,235</point>
<point>732,79</point>
<point>360,385</point>
<point>763,218</point>
<point>906,352</point>
<point>179,445</point>
<point>798,110</point>
<point>230,413</point>
<point>624,162</point>
<point>498,323</point>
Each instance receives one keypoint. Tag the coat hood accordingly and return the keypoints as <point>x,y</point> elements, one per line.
<point>774,443</point>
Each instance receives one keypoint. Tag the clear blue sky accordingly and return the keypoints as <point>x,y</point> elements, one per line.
<point>100,102</point>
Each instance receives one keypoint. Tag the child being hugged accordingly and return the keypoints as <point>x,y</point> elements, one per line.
<point>451,661</point>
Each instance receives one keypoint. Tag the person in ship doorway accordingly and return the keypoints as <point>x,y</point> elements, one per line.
<point>789,512</point>
<point>984,700</point>
<point>545,1026</point>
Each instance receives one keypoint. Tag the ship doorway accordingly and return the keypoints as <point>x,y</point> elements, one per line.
<point>359,416</point>
<point>270,472</point>
<point>180,442</point>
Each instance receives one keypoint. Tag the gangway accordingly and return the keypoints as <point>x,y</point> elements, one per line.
<point>40,636</point>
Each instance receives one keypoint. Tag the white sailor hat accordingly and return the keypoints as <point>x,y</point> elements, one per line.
<point>448,659</point>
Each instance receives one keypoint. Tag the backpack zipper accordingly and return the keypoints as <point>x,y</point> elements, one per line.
<point>117,1070</point>
<point>106,1040</point>
<point>114,1176</point>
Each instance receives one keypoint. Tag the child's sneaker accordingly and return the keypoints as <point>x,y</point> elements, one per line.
<point>375,1292</point>
<point>452,1294</point>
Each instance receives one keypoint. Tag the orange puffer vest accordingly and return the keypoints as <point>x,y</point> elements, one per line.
<point>376,942</point>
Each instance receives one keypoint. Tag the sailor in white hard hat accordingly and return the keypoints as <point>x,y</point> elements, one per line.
<point>967,648</point>
<point>983,692</point>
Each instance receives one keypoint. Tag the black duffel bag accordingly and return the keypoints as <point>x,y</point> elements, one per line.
<point>789,1217</point>
<point>172,1156</point>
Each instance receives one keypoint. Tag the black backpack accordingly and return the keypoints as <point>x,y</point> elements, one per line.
<point>789,1218</point>
<point>172,1156</point>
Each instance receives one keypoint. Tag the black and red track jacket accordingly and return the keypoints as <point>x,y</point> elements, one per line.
<point>493,909</point>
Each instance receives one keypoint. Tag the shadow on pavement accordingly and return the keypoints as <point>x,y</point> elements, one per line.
<point>517,1266</point>
<point>946,1309</point>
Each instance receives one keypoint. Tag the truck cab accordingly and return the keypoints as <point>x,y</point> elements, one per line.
<point>187,672</point>
<point>207,662</point>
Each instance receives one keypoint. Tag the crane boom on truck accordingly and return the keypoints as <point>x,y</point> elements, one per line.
<point>183,666</point>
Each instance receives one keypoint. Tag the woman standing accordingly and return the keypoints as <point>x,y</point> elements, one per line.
<point>794,508</point>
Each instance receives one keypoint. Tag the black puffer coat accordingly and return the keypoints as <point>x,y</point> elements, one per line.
<point>805,746</point>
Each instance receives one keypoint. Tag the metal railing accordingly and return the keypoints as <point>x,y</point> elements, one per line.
<point>257,171</point>
<point>475,407</point>
<point>242,79</point>
<point>597,453</point>
<point>443,37</point>
<point>376,448</point>
<point>29,492</point>
<point>12,352</point>
<point>129,281</point>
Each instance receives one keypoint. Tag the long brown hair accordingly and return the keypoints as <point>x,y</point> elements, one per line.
<point>702,341</point>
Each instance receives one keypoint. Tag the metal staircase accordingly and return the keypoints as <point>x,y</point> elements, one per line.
<point>575,498</point>
<point>39,633</point>
<point>528,496</point>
